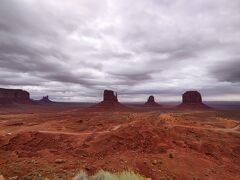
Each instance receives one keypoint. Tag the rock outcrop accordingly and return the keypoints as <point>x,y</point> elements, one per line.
<point>8,96</point>
<point>192,100</point>
<point>151,102</point>
<point>45,99</point>
<point>110,101</point>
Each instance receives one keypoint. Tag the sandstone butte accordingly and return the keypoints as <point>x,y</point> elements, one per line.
<point>192,100</point>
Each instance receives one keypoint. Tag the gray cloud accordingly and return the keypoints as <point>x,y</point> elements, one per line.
<point>72,50</point>
<point>228,70</point>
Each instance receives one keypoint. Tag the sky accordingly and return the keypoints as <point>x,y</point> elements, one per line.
<point>72,50</point>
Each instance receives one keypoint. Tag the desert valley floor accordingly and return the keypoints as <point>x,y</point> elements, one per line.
<point>57,140</point>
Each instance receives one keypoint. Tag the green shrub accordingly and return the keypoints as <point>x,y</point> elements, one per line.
<point>104,175</point>
<point>81,176</point>
<point>128,175</point>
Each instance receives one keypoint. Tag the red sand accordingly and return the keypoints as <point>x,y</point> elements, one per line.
<point>155,143</point>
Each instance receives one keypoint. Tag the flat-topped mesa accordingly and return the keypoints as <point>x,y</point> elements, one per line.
<point>151,102</point>
<point>8,96</point>
<point>109,96</point>
<point>192,100</point>
<point>45,99</point>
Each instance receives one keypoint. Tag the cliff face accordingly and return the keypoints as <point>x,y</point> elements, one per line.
<point>14,96</point>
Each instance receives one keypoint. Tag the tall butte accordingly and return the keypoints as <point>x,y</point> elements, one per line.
<point>192,100</point>
<point>110,101</point>
<point>151,102</point>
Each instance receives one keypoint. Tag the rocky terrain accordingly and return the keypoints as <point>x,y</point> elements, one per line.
<point>56,141</point>
<point>155,143</point>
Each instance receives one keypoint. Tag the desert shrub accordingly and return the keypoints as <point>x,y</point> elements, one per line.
<point>128,175</point>
<point>81,176</point>
<point>104,175</point>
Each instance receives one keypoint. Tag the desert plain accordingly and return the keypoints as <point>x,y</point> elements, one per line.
<point>57,140</point>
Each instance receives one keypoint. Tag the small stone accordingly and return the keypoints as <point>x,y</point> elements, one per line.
<point>59,161</point>
<point>171,155</point>
<point>87,168</point>
<point>13,178</point>
<point>154,162</point>
<point>1,177</point>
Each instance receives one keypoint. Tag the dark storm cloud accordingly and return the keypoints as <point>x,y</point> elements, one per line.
<point>73,50</point>
<point>228,70</point>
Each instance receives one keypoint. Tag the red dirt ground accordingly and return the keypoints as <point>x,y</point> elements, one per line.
<point>58,141</point>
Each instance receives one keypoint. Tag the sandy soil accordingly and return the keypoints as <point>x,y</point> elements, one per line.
<point>59,140</point>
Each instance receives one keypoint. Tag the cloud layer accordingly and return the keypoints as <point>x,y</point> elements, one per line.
<point>72,50</point>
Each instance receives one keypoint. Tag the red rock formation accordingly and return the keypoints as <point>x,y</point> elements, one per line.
<point>110,101</point>
<point>108,95</point>
<point>14,96</point>
<point>192,100</point>
<point>151,102</point>
<point>45,99</point>
<point>192,97</point>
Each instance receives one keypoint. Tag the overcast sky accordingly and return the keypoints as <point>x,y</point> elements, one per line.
<point>72,50</point>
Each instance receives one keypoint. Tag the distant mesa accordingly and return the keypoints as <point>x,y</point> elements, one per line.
<point>110,101</point>
<point>151,102</point>
<point>192,100</point>
<point>45,99</point>
<point>10,96</point>
<point>109,96</point>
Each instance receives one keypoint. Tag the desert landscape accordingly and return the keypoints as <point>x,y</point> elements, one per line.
<point>45,139</point>
<point>119,90</point>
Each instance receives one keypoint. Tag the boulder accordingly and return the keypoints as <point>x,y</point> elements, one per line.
<point>192,100</point>
<point>151,102</point>
<point>8,96</point>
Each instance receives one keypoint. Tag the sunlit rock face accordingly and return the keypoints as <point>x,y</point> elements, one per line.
<point>151,102</point>
<point>14,96</point>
